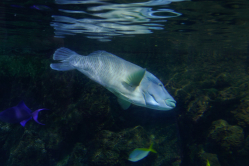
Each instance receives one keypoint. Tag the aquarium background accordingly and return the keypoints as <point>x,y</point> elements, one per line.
<point>200,56</point>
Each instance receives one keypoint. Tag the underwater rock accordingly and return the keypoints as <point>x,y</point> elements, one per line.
<point>225,137</point>
<point>110,148</point>
<point>247,143</point>
<point>241,114</point>
<point>244,152</point>
<point>29,150</point>
<point>198,107</point>
<point>113,148</point>
<point>76,157</point>
<point>223,80</point>
<point>212,158</point>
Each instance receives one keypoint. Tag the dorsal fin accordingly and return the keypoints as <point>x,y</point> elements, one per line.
<point>101,52</point>
<point>22,106</point>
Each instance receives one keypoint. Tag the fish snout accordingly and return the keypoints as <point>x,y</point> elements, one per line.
<point>171,103</point>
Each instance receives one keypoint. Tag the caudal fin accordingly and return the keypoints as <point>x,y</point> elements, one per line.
<point>152,150</point>
<point>35,115</point>
<point>64,55</point>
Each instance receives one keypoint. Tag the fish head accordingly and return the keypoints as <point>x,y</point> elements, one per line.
<point>155,95</point>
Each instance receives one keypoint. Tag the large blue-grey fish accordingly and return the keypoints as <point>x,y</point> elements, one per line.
<point>20,114</point>
<point>129,82</point>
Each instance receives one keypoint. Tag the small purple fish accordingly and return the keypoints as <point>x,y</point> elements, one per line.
<point>19,114</point>
<point>18,6</point>
<point>41,7</point>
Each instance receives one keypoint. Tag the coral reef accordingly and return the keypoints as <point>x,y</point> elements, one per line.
<point>110,148</point>
<point>206,93</point>
<point>241,113</point>
<point>225,137</point>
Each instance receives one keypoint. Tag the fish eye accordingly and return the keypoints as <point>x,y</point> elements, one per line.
<point>160,84</point>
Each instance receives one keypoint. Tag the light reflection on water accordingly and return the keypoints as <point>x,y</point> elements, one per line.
<point>106,20</point>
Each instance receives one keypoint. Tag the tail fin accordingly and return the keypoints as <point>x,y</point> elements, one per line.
<point>64,55</point>
<point>152,150</point>
<point>35,115</point>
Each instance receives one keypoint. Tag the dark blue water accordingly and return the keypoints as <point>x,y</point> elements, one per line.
<point>198,50</point>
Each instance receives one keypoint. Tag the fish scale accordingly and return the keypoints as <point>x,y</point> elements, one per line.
<point>129,82</point>
<point>105,68</point>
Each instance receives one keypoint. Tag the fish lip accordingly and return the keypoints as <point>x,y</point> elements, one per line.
<point>170,103</point>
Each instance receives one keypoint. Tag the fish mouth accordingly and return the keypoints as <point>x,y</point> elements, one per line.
<point>171,103</point>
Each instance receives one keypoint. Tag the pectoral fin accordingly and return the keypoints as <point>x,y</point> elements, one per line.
<point>25,121</point>
<point>124,104</point>
<point>135,78</point>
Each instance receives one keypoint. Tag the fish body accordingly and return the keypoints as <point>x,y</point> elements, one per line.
<point>129,82</point>
<point>19,114</point>
<point>208,163</point>
<point>140,153</point>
